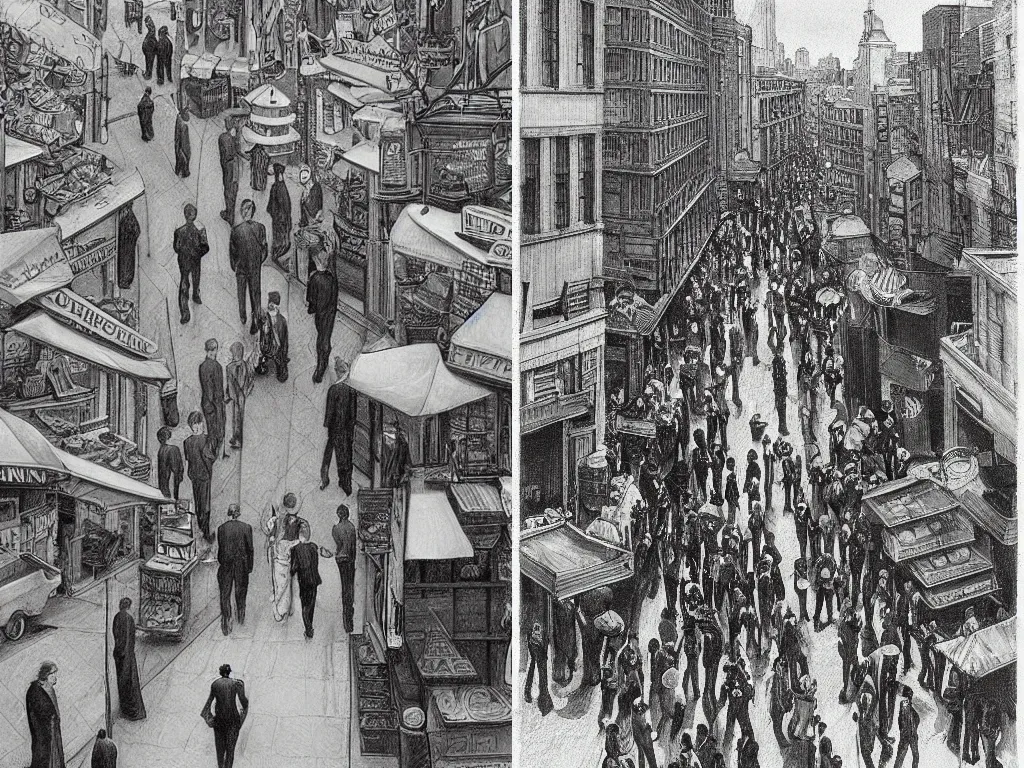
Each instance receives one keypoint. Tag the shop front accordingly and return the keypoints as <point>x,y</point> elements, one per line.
<point>19,196</point>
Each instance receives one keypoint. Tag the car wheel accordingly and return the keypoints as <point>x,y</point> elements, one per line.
<point>16,626</point>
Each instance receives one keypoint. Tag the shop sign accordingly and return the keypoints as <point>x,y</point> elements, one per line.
<point>376,53</point>
<point>482,364</point>
<point>84,316</point>
<point>393,169</point>
<point>93,257</point>
<point>468,158</point>
<point>385,22</point>
<point>435,54</point>
<point>25,270</point>
<point>25,476</point>
<point>635,427</point>
<point>486,223</point>
<point>375,510</point>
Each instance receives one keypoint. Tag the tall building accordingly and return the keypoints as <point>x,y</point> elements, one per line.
<point>802,58</point>
<point>732,114</point>
<point>658,195</point>
<point>562,327</point>
<point>1004,155</point>
<point>778,122</point>
<point>842,125</point>
<point>759,15</point>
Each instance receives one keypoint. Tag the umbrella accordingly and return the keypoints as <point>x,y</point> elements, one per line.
<point>22,445</point>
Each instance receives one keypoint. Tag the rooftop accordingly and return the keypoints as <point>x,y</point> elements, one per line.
<point>1000,265</point>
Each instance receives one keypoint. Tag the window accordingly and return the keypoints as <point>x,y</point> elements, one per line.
<point>561,169</point>
<point>587,41</point>
<point>587,179</point>
<point>549,43</point>
<point>531,186</point>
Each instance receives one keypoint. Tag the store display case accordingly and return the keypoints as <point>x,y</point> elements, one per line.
<point>165,581</point>
<point>378,721</point>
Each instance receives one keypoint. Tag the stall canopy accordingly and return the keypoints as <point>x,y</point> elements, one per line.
<point>22,445</point>
<point>48,27</point>
<point>434,533</point>
<point>46,330</point>
<point>93,209</point>
<point>413,380</point>
<point>482,345</point>
<point>31,263</point>
<point>430,234</point>
<point>984,651</point>
<point>105,487</point>
<point>17,152</point>
<point>566,562</point>
<point>906,501</point>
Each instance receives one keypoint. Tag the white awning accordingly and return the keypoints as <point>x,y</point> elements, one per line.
<point>104,486</point>
<point>374,114</point>
<point>413,380</point>
<point>32,263</point>
<point>95,208</point>
<point>483,344</point>
<point>291,137</point>
<point>22,445</point>
<point>363,74</point>
<point>361,95</point>
<point>430,234</point>
<point>54,31</point>
<point>433,532</point>
<point>365,154</point>
<point>17,152</point>
<point>46,330</point>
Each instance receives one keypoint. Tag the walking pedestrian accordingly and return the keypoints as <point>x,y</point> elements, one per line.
<point>279,206</point>
<point>104,751</point>
<point>170,469</point>
<point>642,736</point>
<point>737,354</point>
<point>129,686</point>
<point>149,47</point>
<point>311,202</point>
<point>226,148</point>
<point>190,245</point>
<point>273,329</point>
<point>182,143</point>
<point>259,168</point>
<point>44,719</point>
<point>164,54</point>
<point>909,722</point>
<point>224,715</point>
<point>241,378</point>
<point>211,387</point>
<point>538,647</point>
<point>247,251</point>
<point>344,535</point>
<point>306,567</point>
<point>235,557</point>
<point>145,110</point>
<point>322,304</point>
<point>285,533</point>
<point>199,456</point>
<point>781,387</point>
<point>339,419</point>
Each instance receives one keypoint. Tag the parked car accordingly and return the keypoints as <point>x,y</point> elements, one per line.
<point>26,583</point>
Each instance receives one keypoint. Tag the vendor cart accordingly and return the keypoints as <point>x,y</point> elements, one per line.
<point>165,581</point>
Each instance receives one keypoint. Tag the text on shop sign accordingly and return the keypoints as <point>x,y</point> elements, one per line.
<point>72,307</point>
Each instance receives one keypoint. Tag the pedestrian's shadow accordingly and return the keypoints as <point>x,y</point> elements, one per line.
<point>577,703</point>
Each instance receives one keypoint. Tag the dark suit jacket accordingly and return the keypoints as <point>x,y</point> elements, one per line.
<point>306,563</point>
<point>168,465</point>
<point>223,693</point>
<point>211,385</point>
<point>322,293</point>
<point>43,725</point>
<point>199,455</point>
<point>226,147</point>
<point>247,248</point>
<point>340,416</point>
<point>190,243</point>
<point>234,540</point>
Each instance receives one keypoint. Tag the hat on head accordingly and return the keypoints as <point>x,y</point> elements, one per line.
<point>274,297</point>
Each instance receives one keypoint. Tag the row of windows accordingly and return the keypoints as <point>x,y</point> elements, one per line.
<point>646,149</point>
<point>666,143</point>
<point>677,40</point>
<point>687,173</point>
<point>843,115</point>
<point>550,20</point>
<point>776,108</point>
<point>623,65</point>
<point>678,72</point>
<point>682,244</point>
<point>840,135</point>
<point>626,106</point>
<point>560,176</point>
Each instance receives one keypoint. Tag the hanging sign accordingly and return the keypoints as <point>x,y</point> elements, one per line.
<point>375,53</point>
<point>386,21</point>
<point>92,257</point>
<point>81,314</point>
<point>375,510</point>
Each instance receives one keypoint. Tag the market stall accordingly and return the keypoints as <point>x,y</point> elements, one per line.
<point>470,726</point>
<point>270,122</point>
<point>566,562</point>
<point>165,581</point>
<point>19,197</point>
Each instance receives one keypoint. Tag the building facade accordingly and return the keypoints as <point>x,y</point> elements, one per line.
<point>759,15</point>
<point>779,124</point>
<point>562,324</point>
<point>842,144</point>
<point>658,195</point>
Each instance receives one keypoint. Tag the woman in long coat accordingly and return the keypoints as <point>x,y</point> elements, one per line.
<point>44,719</point>
<point>129,687</point>
<point>279,206</point>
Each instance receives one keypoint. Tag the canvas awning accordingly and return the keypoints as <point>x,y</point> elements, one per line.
<point>433,532</point>
<point>482,345</point>
<point>51,29</point>
<point>413,380</point>
<point>906,369</point>
<point>430,234</point>
<point>46,330</point>
<point>984,651</point>
<point>363,74</point>
<point>566,562</point>
<point>97,207</point>
<point>17,152</point>
<point>365,155</point>
<point>985,515</point>
<point>105,487</point>
<point>908,500</point>
<point>32,263</point>
<point>22,445</point>
<point>477,503</point>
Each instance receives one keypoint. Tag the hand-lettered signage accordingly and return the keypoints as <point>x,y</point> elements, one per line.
<point>25,476</point>
<point>93,257</point>
<point>83,315</point>
<point>486,365</point>
<point>375,53</point>
<point>375,510</point>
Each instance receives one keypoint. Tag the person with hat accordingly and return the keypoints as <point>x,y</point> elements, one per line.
<point>164,54</point>
<point>732,489</point>
<point>848,632</point>
<point>700,460</point>
<point>642,735</point>
<point>279,206</point>
<point>149,48</point>
<point>284,532</point>
<point>748,319</point>
<point>822,573</point>
<point>273,330</point>
<point>790,477</point>
<point>247,251</point>
<point>801,583</point>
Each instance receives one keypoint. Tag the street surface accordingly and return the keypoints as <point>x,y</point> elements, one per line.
<point>542,739</point>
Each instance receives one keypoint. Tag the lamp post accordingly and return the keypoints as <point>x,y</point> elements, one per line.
<point>828,175</point>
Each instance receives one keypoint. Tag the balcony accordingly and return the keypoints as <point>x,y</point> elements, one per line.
<point>542,414</point>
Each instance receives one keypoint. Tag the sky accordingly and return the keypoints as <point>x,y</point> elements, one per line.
<point>834,26</point>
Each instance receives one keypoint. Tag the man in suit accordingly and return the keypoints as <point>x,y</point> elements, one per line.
<point>909,722</point>
<point>322,304</point>
<point>306,566</point>
<point>274,339</point>
<point>225,716</point>
<point>235,559</point>
<point>199,457</point>
<point>170,468</point>
<point>344,535</point>
<point>247,250</point>
<point>339,419</point>
<point>241,380</point>
<point>228,169</point>
<point>190,245</point>
<point>211,385</point>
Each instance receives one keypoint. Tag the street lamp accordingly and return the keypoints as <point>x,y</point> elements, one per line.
<point>828,174</point>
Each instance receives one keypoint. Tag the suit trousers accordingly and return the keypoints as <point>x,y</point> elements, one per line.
<point>232,579</point>
<point>201,499</point>
<point>225,737</point>
<point>324,323</point>
<point>230,177</point>
<point>307,597</point>
<point>248,284</point>
<point>190,271</point>
<point>347,572</point>
<point>342,453</point>
<point>237,419</point>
